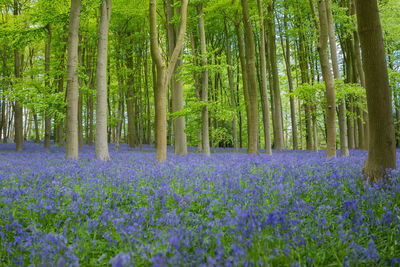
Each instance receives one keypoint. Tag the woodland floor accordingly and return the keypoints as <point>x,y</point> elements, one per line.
<point>292,208</point>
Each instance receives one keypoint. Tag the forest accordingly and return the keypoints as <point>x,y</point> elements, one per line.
<point>199,132</point>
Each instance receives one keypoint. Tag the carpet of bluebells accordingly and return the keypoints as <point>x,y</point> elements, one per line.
<point>289,209</point>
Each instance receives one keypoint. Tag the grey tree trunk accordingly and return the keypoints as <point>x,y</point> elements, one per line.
<point>18,114</point>
<point>244,78</point>
<point>279,143</point>
<point>231,89</point>
<point>328,79</point>
<point>252,81</point>
<point>180,145</point>
<point>263,89</point>
<point>47,120</point>
<point>382,143</point>
<point>72,81</point>
<point>163,76</point>
<point>130,98</point>
<point>101,144</point>
<point>120,103</point>
<point>344,149</point>
<point>204,83</point>
<point>290,81</point>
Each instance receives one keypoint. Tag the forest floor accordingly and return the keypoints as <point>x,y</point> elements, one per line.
<point>291,208</point>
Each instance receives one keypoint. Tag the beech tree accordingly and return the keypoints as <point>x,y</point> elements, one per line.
<point>72,81</point>
<point>328,79</point>
<point>163,75</point>
<point>382,143</point>
<point>252,81</point>
<point>204,83</point>
<point>101,144</point>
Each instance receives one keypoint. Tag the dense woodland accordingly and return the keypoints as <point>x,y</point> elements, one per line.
<point>255,74</point>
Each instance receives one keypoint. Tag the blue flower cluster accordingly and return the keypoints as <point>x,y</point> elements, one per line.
<point>292,208</point>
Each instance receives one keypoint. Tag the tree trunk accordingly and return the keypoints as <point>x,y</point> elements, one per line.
<point>3,129</point>
<point>130,98</point>
<point>344,149</point>
<point>47,119</point>
<point>60,80</point>
<point>120,100</point>
<point>263,88</point>
<point>163,76</point>
<point>244,79</point>
<point>252,81</point>
<point>231,80</point>
<point>101,144</point>
<point>279,143</point>
<point>180,145</point>
<point>382,143</point>
<point>315,128</point>
<point>147,96</point>
<point>197,81</point>
<point>204,83</point>
<point>72,82</point>
<point>81,56</point>
<point>328,79</point>
<point>290,80</point>
<point>18,114</point>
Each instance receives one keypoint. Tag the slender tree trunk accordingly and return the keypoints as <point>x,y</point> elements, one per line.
<point>180,145</point>
<point>130,98</point>
<point>140,108</point>
<point>350,127</point>
<point>244,79</point>
<point>47,120</point>
<point>290,80</point>
<point>382,143</point>
<point>147,96</point>
<point>252,81</point>
<point>204,82</point>
<point>197,81</point>
<point>163,76</point>
<point>35,120</point>
<point>81,56</point>
<point>101,144</point>
<point>363,130</point>
<point>344,149</point>
<point>3,129</point>
<point>18,114</point>
<point>328,79</point>
<point>263,88</point>
<point>60,80</point>
<point>279,143</point>
<point>315,128</point>
<point>231,80</point>
<point>72,82</point>
<point>120,101</point>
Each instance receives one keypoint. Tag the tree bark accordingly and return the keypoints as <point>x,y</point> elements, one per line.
<point>204,83</point>
<point>382,143</point>
<point>328,79</point>
<point>290,80</point>
<point>120,100</point>
<point>18,114</point>
<point>101,144</point>
<point>72,82</point>
<point>263,89</point>
<point>47,119</point>
<point>130,98</point>
<point>279,143</point>
<point>344,149</point>
<point>163,76</point>
<point>180,145</point>
<point>231,80</point>
<point>252,81</point>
